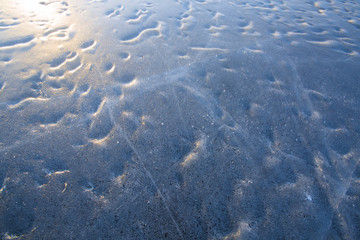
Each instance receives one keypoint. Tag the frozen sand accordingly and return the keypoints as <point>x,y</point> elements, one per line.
<point>196,119</point>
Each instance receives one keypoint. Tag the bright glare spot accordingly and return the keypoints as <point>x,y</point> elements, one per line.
<point>41,10</point>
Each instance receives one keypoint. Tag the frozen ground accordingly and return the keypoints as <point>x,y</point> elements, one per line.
<point>179,119</point>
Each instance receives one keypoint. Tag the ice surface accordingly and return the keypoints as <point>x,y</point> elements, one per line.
<point>179,119</point>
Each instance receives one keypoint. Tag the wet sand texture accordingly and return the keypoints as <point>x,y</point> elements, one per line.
<point>179,119</point>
